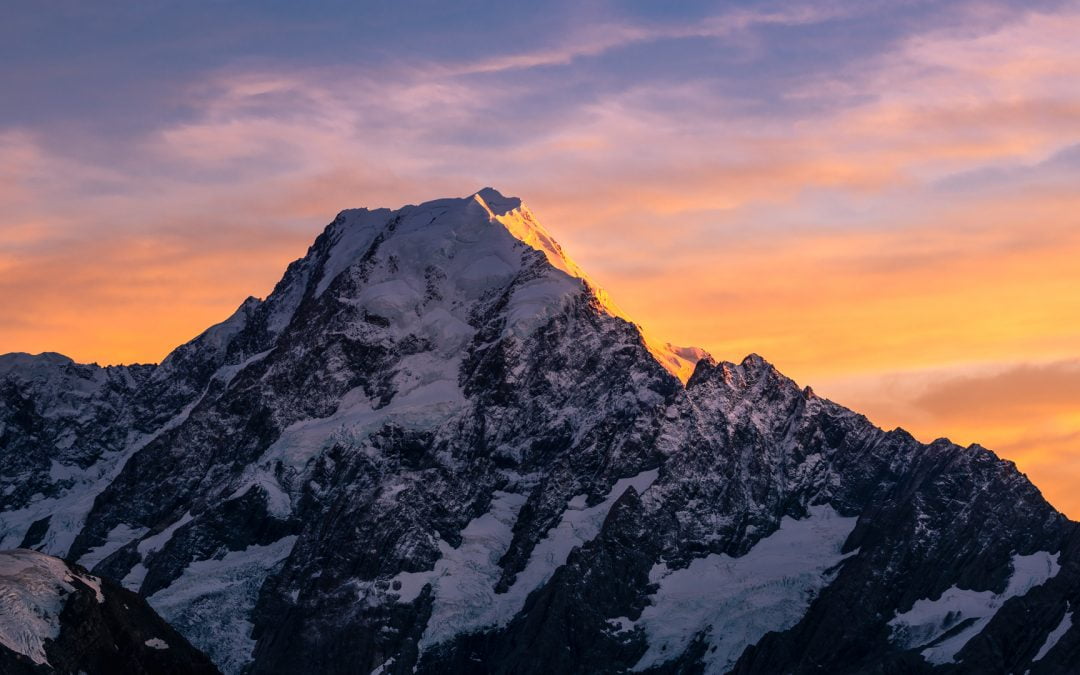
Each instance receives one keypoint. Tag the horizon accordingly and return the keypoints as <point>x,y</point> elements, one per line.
<point>879,199</point>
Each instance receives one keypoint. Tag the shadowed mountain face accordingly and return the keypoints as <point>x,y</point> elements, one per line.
<point>437,446</point>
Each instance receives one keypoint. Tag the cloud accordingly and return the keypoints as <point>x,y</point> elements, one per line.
<point>1020,390</point>
<point>674,146</point>
<point>1062,168</point>
<point>1055,456</point>
<point>599,38</point>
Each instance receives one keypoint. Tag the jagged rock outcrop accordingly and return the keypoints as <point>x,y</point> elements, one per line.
<point>438,446</point>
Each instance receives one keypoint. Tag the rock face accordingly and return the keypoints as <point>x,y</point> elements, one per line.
<point>58,619</point>
<point>436,446</point>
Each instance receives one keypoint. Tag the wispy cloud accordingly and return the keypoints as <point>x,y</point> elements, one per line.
<point>598,39</point>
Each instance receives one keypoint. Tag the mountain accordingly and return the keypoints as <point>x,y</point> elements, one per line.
<point>437,446</point>
<point>56,618</point>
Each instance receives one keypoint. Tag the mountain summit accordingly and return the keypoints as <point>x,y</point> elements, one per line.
<point>474,230</point>
<point>438,447</point>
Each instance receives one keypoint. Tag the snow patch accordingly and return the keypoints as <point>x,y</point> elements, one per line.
<point>278,502</point>
<point>156,643</point>
<point>352,236</point>
<point>408,585</point>
<point>114,541</point>
<point>1053,636</point>
<point>463,580</point>
<point>734,602</point>
<point>577,526</point>
<point>67,513</point>
<point>209,600</point>
<point>155,542</point>
<point>33,591</point>
<point>927,622</point>
<point>227,373</point>
<point>61,472</point>
<point>134,578</point>
<point>621,624</point>
<point>428,395</point>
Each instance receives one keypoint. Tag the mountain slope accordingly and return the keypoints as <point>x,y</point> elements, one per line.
<point>56,618</point>
<point>438,446</point>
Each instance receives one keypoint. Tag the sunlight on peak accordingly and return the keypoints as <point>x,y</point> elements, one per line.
<point>523,225</point>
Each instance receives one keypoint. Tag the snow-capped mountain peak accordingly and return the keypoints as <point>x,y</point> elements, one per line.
<point>466,240</point>
<point>437,446</point>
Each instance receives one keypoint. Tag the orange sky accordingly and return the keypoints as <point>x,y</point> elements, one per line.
<point>900,230</point>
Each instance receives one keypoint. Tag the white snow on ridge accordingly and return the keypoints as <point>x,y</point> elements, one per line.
<point>33,590</point>
<point>137,574</point>
<point>352,236</point>
<point>278,502</point>
<point>67,513</point>
<point>736,601</point>
<point>156,541</point>
<point>578,526</point>
<point>463,580</point>
<point>1053,636</point>
<point>441,258</point>
<point>928,620</point>
<point>114,541</point>
<point>477,242</point>
<point>208,601</point>
<point>429,396</point>
<point>520,222</point>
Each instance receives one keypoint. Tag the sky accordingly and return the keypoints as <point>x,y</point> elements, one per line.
<point>879,197</point>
